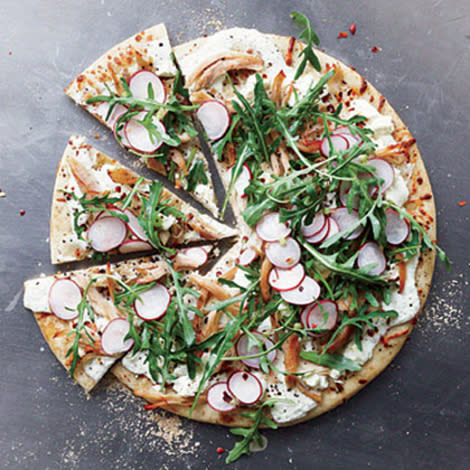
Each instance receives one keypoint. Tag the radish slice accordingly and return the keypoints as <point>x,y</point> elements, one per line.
<point>134,226</point>
<point>344,219</point>
<point>270,229</point>
<point>384,171</point>
<point>315,226</point>
<point>323,315</point>
<point>243,180</point>
<point>242,349</point>
<point>283,255</point>
<point>334,228</point>
<point>215,119</point>
<point>371,259</point>
<point>340,144</point>
<point>112,339</point>
<point>130,246</point>
<point>245,387</point>
<point>321,235</point>
<point>64,297</point>
<point>397,229</point>
<point>219,398</point>
<point>306,293</point>
<point>286,279</point>
<point>116,113</point>
<point>193,257</point>
<point>247,256</point>
<point>304,315</point>
<point>139,85</point>
<point>107,233</point>
<point>153,303</point>
<point>121,134</point>
<point>138,136</point>
<point>351,139</point>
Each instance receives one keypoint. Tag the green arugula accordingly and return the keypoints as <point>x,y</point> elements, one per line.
<point>310,38</point>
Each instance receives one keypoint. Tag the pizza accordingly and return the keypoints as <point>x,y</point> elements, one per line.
<point>97,204</point>
<point>332,254</point>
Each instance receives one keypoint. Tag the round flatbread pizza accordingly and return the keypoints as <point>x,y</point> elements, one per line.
<point>334,244</point>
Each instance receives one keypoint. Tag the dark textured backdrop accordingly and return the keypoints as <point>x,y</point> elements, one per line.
<point>414,416</point>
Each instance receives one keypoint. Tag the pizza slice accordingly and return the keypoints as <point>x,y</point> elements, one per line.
<point>100,207</point>
<point>86,315</point>
<point>134,89</point>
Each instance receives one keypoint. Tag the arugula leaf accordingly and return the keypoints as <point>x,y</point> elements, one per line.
<point>310,38</point>
<point>334,361</point>
<point>251,434</point>
<point>197,175</point>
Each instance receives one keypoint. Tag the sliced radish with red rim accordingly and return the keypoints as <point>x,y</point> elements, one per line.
<point>286,279</point>
<point>116,113</point>
<point>371,259</point>
<point>113,338</point>
<point>307,292</point>
<point>243,180</point>
<point>130,246</point>
<point>245,387</point>
<point>64,297</point>
<point>106,233</point>
<point>215,119</point>
<point>321,235</point>
<point>139,86</point>
<point>245,347</point>
<point>304,315</point>
<point>334,228</point>
<point>219,398</point>
<point>195,256</point>
<point>153,303</point>
<point>283,255</point>
<point>340,144</point>
<point>384,171</point>
<point>314,227</point>
<point>247,256</point>
<point>323,315</point>
<point>270,229</point>
<point>397,229</point>
<point>345,220</point>
<point>134,226</point>
<point>139,137</point>
<point>120,135</point>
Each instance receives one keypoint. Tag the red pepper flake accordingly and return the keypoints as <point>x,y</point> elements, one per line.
<point>96,136</point>
<point>352,29</point>
<point>343,34</point>
<point>220,450</point>
<point>10,52</point>
<point>22,212</point>
<point>462,203</point>
<point>375,49</point>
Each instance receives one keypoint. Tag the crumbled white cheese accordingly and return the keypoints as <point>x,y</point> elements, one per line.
<point>292,404</point>
<point>36,294</point>
<point>137,364</point>
<point>168,221</point>
<point>204,193</point>
<point>407,303</point>
<point>98,366</point>
<point>398,192</point>
<point>314,380</point>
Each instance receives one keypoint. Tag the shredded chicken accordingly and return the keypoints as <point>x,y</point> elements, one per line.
<point>86,181</point>
<point>122,176</point>
<point>291,348</point>
<point>156,165</point>
<point>263,283</point>
<point>215,66</point>
<point>276,88</point>
<point>307,392</point>
<point>178,158</point>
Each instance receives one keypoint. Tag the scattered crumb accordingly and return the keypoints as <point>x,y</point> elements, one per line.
<point>3,194</point>
<point>375,49</point>
<point>343,34</point>
<point>352,29</point>
<point>444,310</point>
<point>462,203</point>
